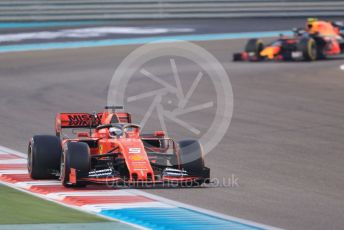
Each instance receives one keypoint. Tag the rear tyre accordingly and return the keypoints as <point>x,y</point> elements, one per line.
<point>191,159</point>
<point>237,57</point>
<point>44,154</point>
<point>321,48</point>
<point>308,47</point>
<point>253,48</point>
<point>342,47</point>
<point>76,155</point>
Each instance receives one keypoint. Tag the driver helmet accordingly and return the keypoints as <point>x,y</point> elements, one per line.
<point>115,132</point>
<point>310,22</point>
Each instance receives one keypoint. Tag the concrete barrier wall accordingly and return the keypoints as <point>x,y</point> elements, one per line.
<point>43,10</point>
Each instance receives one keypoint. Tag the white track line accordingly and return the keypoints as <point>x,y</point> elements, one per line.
<point>13,161</point>
<point>62,195</point>
<point>151,196</point>
<point>100,207</point>
<point>38,182</point>
<point>28,184</point>
<point>13,172</point>
<point>4,149</point>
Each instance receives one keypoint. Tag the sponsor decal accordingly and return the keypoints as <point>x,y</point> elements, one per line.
<point>101,173</point>
<point>174,172</point>
<point>82,119</point>
<point>136,157</point>
<point>134,150</point>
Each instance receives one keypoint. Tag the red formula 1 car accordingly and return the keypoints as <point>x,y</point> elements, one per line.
<point>109,149</point>
<point>319,40</point>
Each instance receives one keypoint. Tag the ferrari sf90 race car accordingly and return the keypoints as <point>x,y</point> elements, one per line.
<point>108,149</point>
<point>319,40</point>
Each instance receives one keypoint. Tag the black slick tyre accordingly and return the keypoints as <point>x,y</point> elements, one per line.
<point>76,155</point>
<point>308,47</point>
<point>44,154</point>
<point>253,48</point>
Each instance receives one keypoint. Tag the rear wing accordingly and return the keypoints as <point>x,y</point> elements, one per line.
<point>76,120</point>
<point>123,117</point>
<point>88,120</point>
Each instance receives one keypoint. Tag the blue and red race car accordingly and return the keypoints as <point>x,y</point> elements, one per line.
<point>319,40</point>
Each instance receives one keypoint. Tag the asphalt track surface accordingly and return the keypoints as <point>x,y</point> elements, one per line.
<point>285,142</point>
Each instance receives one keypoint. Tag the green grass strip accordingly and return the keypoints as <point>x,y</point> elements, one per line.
<point>17,207</point>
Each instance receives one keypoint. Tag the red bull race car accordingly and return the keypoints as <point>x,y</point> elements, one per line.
<point>108,149</point>
<point>319,40</point>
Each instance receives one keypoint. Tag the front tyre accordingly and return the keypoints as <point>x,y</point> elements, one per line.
<point>76,155</point>
<point>253,48</point>
<point>191,158</point>
<point>308,47</point>
<point>44,153</point>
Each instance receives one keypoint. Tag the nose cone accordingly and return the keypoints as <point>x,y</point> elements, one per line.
<point>270,52</point>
